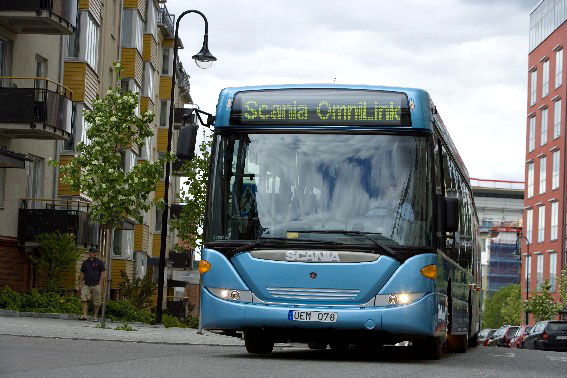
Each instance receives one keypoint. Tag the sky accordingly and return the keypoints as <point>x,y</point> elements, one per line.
<point>470,55</point>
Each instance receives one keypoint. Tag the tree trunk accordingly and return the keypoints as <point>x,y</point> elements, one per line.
<point>108,239</point>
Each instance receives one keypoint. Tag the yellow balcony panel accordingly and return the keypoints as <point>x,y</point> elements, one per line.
<point>168,42</point>
<point>141,237</point>
<point>161,144</point>
<point>146,104</point>
<point>156,240</point>
<point>132,65</point>
<point>165,87</point>
<point>80,78</point>
<point>56,17</point>
<point>65,189</point>
<point>160,190</point>
<point>119,265</point>
<point>150,50</point>
<point>94,6</point>
<point>136,4</point>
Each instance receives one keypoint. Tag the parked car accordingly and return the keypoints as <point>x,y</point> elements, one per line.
<point>502,336</point>
<point>518,339</point>
<point>548,335</point>
<point>484,336</point>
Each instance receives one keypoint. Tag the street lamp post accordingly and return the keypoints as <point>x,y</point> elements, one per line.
<point>204,59</point>
<point>528,276</point>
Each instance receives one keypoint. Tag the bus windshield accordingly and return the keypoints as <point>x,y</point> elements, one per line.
<point>278,185</point>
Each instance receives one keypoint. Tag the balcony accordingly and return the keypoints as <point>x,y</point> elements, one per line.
<point>57,17</point>
<point>38,216</point>
<point>166,21</point>
<point>34,108</point>
<point>183,83</point>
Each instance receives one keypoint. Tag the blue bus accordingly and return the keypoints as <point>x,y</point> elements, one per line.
<point>339,215</point>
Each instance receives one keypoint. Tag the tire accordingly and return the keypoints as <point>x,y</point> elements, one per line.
<point>457,343</point>
<point>317,346</point>
<point>258,342</point>
<point>429,348</point>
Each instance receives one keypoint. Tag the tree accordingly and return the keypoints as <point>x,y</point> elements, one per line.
<point>97,171</point>
<point>138,291</point>
<point>542,305</point>
<point>563,289</point>
<point>57,253</point>
<point>189,223</point>
<point>503,307</point>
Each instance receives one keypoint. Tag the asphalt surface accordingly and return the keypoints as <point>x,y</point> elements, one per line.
<point>49,357</point>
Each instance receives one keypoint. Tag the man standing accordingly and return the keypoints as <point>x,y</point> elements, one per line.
<point>92,272</point>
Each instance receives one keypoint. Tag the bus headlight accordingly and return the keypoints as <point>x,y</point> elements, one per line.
<point>397,299</point>
<point>231,295</point>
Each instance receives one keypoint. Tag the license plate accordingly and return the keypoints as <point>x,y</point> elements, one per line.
<point>561,337</point>
<point>312,316</point>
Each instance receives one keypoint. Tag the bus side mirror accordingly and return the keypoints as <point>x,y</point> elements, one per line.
<point>451,214</point>
<point>186,142</point>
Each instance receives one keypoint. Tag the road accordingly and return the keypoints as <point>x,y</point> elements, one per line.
<point>48,357</point>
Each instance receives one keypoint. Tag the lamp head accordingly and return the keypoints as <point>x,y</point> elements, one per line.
<point>204,59</point>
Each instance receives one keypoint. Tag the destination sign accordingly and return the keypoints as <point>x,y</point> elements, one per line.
<point>330,107</point>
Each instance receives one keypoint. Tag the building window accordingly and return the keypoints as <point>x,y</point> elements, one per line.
<point>545,79</point>
<point>166,61</point>
<point>533,88</point>
<point>558,68</point>
<point>555,171</point>
<point>554,220</point>
<point>35,175</point>
<point>528,270</point>
<point>541,224</point>
<point>539,274</point>
<point>91,43</point>
<point>553,270</point>
<point>148,90</point>
<point>529,225</point>
<point>531,141</point>
<point>543,126</point>
<point>74,48</point>
<point>163,113</point>
<point>132,29</point>
<point>530,180</point>
<point>542,174</point>
<point>151,19</point>
<point>157,223</point>
<point>557,119</point>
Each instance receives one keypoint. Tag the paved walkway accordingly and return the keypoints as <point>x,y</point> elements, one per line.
<point>86,330</point>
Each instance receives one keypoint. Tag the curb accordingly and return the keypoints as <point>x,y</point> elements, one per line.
<point>45,315</point>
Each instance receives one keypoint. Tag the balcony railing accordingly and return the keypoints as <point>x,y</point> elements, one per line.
<point>183,81</point>
<point>34,108</point>
<point>38,216</point>
<point>166,21</point>
<point>39,16</point>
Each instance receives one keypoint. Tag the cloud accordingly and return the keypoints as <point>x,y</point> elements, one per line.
<point>470,55</point>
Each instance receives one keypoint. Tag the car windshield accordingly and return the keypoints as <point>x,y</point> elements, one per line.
<point>555,327</point>
<point>306,185</point>
<point>512,331</point>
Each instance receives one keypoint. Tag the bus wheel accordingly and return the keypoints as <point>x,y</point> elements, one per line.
<point>317,346</point>
<point>258,342</point>
<point>429,348</point>
<point>457,343</point>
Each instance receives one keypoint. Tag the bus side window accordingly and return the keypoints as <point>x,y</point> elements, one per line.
<point>451,184</point>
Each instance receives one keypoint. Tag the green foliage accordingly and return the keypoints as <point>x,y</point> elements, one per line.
<point>126,311</point>
<point>189,224</point>
<point>563,288</point>
<point>96,169</point>
<point>193,322</point>
<point>34,301</point>
<point>542,305</point>
<point>57,253</point>
<point>503,307</point>
<point>138,291</point>
<point>125,327</point>
<point>169,321</point>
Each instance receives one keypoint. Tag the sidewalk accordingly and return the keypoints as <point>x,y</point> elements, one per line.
<point>85,330</point>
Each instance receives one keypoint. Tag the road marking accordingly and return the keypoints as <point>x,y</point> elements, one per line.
<point>555,358</point>
<point>508,355</point>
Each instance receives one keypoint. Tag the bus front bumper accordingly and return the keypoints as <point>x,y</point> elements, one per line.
<point>418,318</point>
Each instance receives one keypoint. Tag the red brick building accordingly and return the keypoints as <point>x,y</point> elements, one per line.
<point>545,168</point>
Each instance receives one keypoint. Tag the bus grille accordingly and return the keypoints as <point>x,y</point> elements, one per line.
<point>299,293</point>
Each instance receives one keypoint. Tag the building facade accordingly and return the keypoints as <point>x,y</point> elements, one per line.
<point>74,48</point>
<point>499,206</point>
<point>543,249</point>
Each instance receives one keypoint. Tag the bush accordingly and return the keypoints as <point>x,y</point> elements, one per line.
<point>36,301</point>
<point>126,311</point>
<point>193,322</point>
<point>169,321</point>
<point>138,291</point>
<point>9,299</point>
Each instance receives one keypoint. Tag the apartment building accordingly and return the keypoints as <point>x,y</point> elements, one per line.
<point>74,44</point>
<point>543,249</point>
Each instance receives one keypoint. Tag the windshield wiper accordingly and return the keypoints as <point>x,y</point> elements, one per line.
<point>357,233</point>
